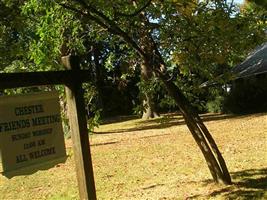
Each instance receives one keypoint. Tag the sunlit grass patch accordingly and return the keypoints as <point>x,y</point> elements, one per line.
<point>158,159</point>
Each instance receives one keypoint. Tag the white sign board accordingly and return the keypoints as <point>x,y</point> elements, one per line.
<point>30,130</point>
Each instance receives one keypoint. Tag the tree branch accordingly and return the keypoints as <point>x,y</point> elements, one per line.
<point>102,20</point>
<point>135,12</point>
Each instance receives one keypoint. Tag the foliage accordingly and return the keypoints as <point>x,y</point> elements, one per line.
<point>206,42</point>
<point>197,40</point>
<point>34,36</point>
<point>13,37</point>
<point>56,32</point>
<point>216,105</point>
<point>94,121</point>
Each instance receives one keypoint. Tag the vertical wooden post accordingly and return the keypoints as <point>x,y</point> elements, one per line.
<point>79,132</point>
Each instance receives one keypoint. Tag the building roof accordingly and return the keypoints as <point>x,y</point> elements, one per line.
<point>255,63</point>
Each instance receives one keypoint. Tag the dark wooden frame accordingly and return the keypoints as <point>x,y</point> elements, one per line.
<point>72,78</point>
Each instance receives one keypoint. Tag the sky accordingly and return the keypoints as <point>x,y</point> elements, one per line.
<point>239,1</point>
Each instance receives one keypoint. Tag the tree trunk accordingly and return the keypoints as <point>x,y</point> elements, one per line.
<point>154,62</point>
<point>149,106</point>
<point>148,50</point>
<point>148,102</point>
<point>200,133</point>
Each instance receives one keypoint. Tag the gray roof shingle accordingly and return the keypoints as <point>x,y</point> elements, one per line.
<point>255,63</point>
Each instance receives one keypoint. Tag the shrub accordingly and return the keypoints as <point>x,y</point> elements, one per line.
<point>248,96</point>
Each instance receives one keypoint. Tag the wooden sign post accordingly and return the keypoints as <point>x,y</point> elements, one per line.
<point>72,79</point>
<point>79,132</point>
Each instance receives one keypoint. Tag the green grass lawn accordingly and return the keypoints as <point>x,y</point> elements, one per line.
<point>158,159</point>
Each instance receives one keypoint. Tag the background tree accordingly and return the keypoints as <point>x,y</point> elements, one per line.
<point>207,43</point>
<point>14,39</point>
<point>150,53</point>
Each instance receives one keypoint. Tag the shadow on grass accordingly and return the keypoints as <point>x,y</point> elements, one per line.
<point>167,121</point>
<point>119,119</point>
<point>34,167</point>
<point>249,184</point>
<point>103,144</point>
